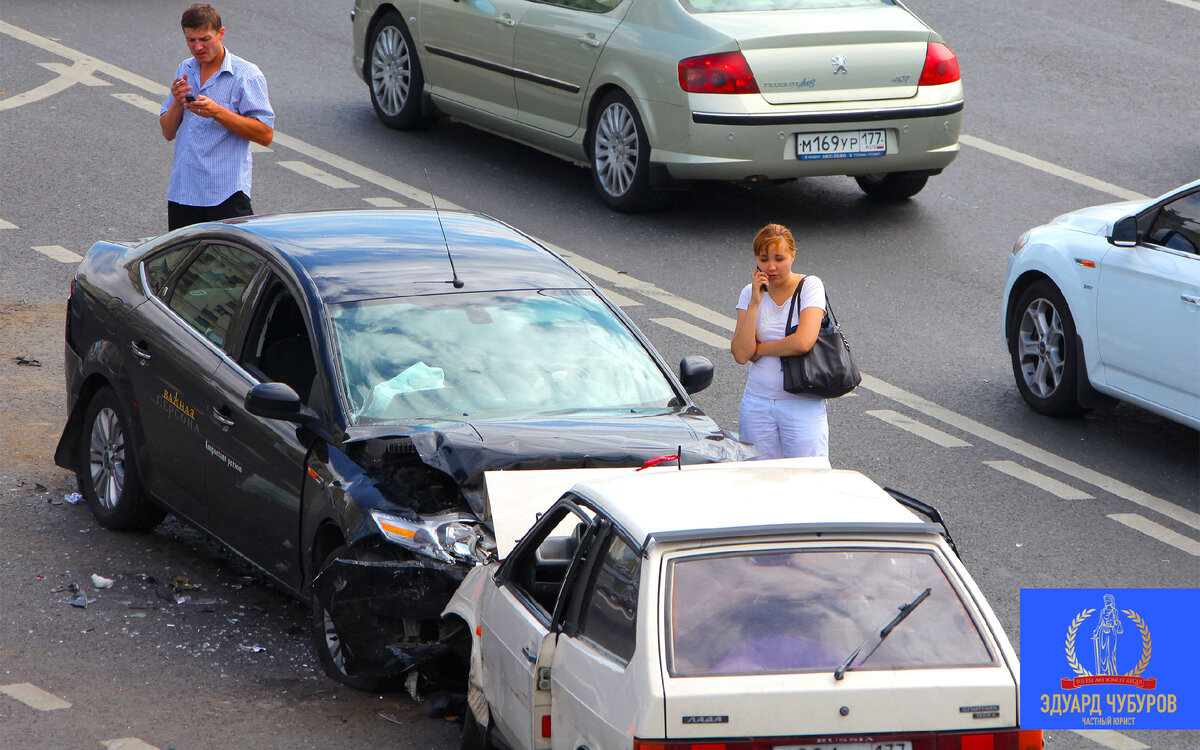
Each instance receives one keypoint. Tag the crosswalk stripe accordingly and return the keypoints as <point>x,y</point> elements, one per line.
<point>59,253</point>
<point>1041,481</point>
<point>34,697</point>
<point>1158,531</point>
<point>932,434</point>
<point>694,331</point>
<point>316,173</point>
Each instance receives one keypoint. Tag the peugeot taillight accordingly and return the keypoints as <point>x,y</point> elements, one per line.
<point>941,66</point>
<point>723,73</point>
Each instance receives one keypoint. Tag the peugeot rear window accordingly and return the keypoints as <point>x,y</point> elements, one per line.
<point>743,6</point>
<point>786,611</point>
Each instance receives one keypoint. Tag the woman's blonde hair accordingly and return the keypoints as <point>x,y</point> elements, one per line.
<point>772,233</point>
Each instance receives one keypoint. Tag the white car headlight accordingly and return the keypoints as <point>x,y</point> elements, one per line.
<point>449,538</point>
<point>1021,242</point>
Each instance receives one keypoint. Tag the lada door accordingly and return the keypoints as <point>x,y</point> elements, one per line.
<point>558,46</point>
<point>467,46</point>
<point>1148,310</point>
<point>175,338</point>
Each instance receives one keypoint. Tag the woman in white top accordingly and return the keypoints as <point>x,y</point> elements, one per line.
<point>778,423</point>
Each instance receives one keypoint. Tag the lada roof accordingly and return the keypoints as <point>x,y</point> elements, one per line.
<point>754,498</point>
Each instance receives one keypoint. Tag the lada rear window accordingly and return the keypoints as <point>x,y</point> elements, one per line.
<point>742,6</point>
<point>786,611</point>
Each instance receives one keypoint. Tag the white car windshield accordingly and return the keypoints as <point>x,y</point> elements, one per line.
<point>492,355</point>
<point>787,611</point>
<point>736,6</point>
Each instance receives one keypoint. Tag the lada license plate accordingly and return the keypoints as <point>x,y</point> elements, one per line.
<point>889,745</point>
<point>846,144</point>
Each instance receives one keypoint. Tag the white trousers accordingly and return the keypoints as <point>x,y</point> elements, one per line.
<point>784,427</point>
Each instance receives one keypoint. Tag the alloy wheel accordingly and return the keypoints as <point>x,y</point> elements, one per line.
<point>106,458</point>
<point>616,149</point>
<point>333,644</point>
<point>1042,348</point>
<point>391,70</point>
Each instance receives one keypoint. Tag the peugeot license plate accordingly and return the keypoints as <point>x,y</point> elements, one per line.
<point>845,144</point>
<point>886,745</point>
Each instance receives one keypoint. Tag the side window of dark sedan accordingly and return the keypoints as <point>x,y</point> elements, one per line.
<point>208,291</point>
<point>159,268</point>
<point>610,612</point>
<point>279,348</point>
<point>1177,225</point>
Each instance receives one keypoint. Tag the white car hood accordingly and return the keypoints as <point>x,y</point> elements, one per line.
<point>1099,219</point>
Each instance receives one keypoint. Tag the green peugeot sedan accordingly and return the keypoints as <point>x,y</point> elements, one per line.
<point>655,94</point>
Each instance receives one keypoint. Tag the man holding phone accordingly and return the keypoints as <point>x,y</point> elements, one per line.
<point>216,107</point>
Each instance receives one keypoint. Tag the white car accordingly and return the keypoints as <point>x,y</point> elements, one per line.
<point>1105,302</point>
<point>702,606</point>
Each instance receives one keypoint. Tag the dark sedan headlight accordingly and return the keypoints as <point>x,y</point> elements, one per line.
<point>448,537</point>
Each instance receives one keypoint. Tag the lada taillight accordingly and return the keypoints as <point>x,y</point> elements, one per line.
<point>723,73</point>
<point>1012,739</point>
<point>941,66</point>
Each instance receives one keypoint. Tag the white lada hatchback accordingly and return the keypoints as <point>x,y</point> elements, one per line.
<point>753,606</point>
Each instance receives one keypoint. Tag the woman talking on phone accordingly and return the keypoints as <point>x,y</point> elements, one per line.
<point>779,424</point>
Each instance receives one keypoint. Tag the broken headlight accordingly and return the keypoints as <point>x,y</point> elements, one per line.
<point>448,537</point>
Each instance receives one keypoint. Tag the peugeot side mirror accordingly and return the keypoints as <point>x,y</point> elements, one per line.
<point>696,373</point>
<point>279,401</point>
<point>1125,232</point>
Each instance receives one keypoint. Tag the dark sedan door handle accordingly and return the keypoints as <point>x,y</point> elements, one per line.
<point>532,657</point>
<point>143,356</point>
<point>220,418</point>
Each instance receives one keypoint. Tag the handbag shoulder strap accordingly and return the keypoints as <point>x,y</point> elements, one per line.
<point>792,306</point>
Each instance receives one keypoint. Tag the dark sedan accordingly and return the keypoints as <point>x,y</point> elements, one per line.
<point>322,393</point>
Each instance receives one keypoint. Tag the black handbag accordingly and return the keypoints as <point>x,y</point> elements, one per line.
<point>827,369</point>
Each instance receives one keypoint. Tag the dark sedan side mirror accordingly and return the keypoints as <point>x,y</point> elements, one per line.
<point>1124,232</point>
<point>696,373</point>
<point>279,401</point>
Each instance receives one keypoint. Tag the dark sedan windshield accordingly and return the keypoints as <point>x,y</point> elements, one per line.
<point>491,355</point>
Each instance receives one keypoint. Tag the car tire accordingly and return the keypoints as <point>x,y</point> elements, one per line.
<point>394,75</point>
<point>108,475</point>
<point>1042,347</point>
<point>473,737</point>
<point>619,152</point>
<point>334,659</point>
<point>892,186</point>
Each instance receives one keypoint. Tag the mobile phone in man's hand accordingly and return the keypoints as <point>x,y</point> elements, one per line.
<point>189,98</point>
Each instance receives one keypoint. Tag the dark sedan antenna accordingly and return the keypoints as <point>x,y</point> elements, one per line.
<point>457,282</point>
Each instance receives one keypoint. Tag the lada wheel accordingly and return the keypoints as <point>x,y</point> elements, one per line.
<point>891,185</point>
<point>107,474</point>
<point>620,156</point>
<point>1042,347</point>
<point>395,76</point>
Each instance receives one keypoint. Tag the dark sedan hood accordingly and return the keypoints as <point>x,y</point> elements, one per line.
<point>465,450</point>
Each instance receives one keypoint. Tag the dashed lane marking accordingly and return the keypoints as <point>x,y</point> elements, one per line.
<point>1158,531</point>
<point>1186,3</point>
<point>140,102</point>
<point>1037,479</point>
<point>620,299</point>
<point>126,743</point>
<point>920,429</point>
<point>1111,739</point>
<point>59,253</point>
<point>316,173</point>
<point>694,331</point>
<point>34,697</point>
<point>383,202</point>
<point>1050,168</point>
<point>7,225</point>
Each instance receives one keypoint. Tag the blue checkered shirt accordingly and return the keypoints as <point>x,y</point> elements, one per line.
<point>212,163</point>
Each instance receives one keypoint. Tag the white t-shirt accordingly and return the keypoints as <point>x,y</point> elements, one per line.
<point>766,374</point>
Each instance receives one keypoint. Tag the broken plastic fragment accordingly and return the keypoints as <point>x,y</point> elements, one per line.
<point>101,582</point>
<point>74,498</point>
<point>252,649</point>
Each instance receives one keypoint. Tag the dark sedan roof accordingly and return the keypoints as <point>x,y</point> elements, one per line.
<point>356,255</point>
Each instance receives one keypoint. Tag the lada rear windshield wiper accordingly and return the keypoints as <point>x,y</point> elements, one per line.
<point>905,611</point>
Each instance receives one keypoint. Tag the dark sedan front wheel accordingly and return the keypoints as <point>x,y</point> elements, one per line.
<point>335,659</point>
<point>107,474</point>
<point>1042,347</point>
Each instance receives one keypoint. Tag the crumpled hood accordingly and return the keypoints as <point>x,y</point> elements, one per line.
<point>465,450</point>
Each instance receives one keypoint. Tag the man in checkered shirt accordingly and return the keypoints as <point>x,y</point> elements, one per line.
<point>217,105</point>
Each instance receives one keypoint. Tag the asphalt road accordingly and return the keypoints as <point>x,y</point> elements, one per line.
<point>1068,104</point>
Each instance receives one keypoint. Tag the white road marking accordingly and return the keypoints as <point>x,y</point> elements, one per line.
<point>694,331</point>
<point>1050,168</point>
<point>314,173</point>
<point>80,72</point>
<point>126,743</point>
<point>7,225</point>
<point>1158,531</point>
<point>34,697</point>
<point>59,253</point>
<point>1049,484</point>
<point>140,102</point>
<point>1111,739</point>
<point>712,317</point>
<point>1187,3</point>
<point>1032,452</point>
<point>384,202</point>
<point>932,434</point>
<point>620,299</point>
